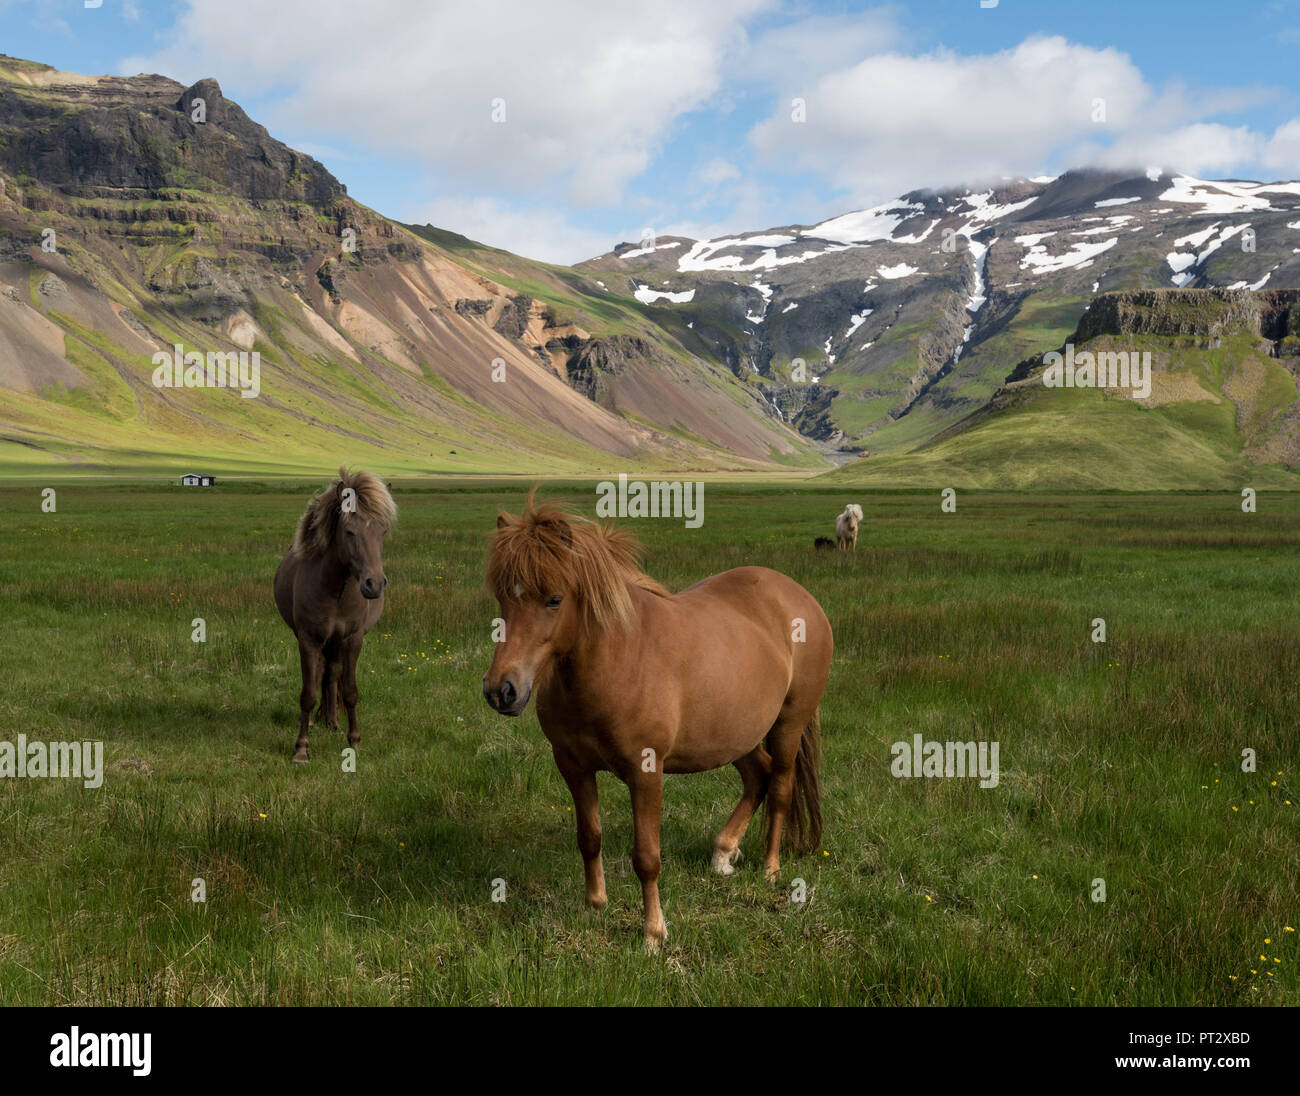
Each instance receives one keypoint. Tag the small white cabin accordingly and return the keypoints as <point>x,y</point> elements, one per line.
<point>197,479</point>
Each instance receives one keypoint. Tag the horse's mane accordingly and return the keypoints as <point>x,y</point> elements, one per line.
<point>319,523</point>
<point>545,550</point>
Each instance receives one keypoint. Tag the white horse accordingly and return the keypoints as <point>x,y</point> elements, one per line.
<point>846,527</point>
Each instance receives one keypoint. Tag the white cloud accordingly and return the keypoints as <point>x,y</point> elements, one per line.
<point>892,123</point>
<point>1282,153</point>
<point>1199,148</point>
<point>544,234</point>
<point>590,91</point>
<point>594,93</point>
<point>784,56</point>
<point>718,170</point>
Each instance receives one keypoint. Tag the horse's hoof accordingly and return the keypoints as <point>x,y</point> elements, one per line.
<point>597,905</point>
<point>301,759</point>
<point>724,862</point>
<point>655,944</point>
<point>772,874</point>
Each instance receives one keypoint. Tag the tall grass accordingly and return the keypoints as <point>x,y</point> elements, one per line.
<point>1120,761</point>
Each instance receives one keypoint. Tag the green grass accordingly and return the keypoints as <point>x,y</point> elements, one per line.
<point>1118,761</point>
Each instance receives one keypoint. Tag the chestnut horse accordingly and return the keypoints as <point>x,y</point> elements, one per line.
<point>330,590</point>
<point>636,681</point>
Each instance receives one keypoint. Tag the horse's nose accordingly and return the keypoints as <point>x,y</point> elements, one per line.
<point>500,698</point>
<point>371,588</point>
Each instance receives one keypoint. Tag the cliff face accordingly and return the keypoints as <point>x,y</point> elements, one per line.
<point>1201,318</point>
<point>1272,314</point>
<point>114,137</point>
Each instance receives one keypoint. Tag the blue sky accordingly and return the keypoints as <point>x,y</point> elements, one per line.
<point>682,116</point>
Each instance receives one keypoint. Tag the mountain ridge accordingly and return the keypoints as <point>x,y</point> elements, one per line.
<point>135,218</point>
<point>892,306</point>
<point>181,221</point>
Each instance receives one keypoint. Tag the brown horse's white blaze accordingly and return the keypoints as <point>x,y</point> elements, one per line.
<point>329,589</point>
<point>635,681</point>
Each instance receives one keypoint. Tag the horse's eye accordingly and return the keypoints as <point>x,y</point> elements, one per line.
<point>554,602</point>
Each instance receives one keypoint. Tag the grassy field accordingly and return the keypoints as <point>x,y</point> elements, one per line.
<point>1119,761</point>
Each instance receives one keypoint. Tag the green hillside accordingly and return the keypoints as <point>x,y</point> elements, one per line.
<point>1222,414</point>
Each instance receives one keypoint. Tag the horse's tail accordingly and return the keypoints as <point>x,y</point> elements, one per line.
<point>804,822</point>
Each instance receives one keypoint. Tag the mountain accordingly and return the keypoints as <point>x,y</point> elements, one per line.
<point>909,316</point>
<point>137,215</point>
<point>1221,412</point>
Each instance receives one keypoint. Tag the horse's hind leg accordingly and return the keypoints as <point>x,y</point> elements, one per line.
<point>313,665</point>
<point>783,741</point>
<point>754,769</point>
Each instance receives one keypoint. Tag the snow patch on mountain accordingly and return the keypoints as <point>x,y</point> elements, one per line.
<point>985,211</point>
<point>649,250</point>
<point>1079,256</point>
<point>980,253</point>
<point>646,295</point>
<point>1224,196</point>
<point>866,225</point>
<point>857,320</point>
<point>703,255</point>
<point>1184,264</point>
<point>766,291</point>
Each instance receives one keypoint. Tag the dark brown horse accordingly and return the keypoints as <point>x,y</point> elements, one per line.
<point>330,590</point>
<point>636,681</point>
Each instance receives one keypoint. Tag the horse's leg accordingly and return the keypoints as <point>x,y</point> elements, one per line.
<point>647,805</point>
<point>586,806</point>
<point>754,769</point>
<point>313,664</point>
<point>783,739</point>
<point>348,686</point>
<point>329,701</point>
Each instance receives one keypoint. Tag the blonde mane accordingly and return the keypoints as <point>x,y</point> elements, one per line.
<point>545,550</point>
<point>319,524</point>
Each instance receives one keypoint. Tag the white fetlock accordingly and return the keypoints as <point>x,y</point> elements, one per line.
<point>724,862</point>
